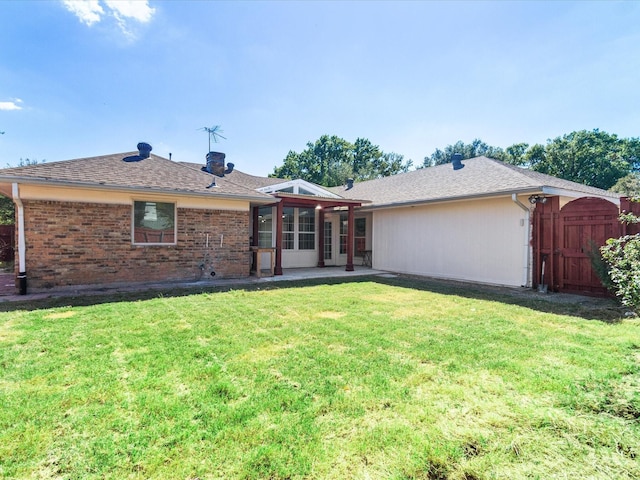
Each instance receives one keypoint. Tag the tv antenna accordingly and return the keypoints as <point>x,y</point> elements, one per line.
<point>214,132</point>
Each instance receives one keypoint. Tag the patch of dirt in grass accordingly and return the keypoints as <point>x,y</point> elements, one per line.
<point>60,315</point>
<point>331,315</point>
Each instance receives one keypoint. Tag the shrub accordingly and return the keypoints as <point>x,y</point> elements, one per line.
<point>622,256</point>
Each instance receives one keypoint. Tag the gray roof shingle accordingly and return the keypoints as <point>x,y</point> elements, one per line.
<point>153,173</point>
<point>480,177</point>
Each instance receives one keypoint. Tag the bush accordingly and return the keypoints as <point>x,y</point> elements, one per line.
<point>622,256</point>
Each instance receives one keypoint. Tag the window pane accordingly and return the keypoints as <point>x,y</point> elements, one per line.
<point>265,224</point>
<point>306,229</point>
<point>154,222</point>
<point>343,233</point>
<point>306,241</point>
<point>327,240</point>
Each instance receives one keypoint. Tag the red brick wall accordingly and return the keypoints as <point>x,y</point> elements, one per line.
<point>79,244</point>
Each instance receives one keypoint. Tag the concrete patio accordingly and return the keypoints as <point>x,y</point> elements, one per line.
<point>9,293</point>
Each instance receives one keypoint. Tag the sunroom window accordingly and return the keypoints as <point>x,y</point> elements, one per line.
<point>154,223</point>
<point>288,228</point>
<point>307,229</point>
<point>265,227</point>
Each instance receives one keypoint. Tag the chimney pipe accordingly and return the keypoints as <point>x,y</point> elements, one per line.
<point>456,160</point>
<point>144,149</point>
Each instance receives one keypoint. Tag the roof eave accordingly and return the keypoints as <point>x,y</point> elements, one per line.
<point>543,189</point>
<point>457,198</point>
<point>575,194</point>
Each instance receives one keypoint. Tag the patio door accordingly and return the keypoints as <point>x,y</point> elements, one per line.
<point>329,254</point>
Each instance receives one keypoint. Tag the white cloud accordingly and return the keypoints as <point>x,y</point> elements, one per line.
<point>131,9</point>
<point>123,11</point>
<point>87,11</point>
<point>12,105</point>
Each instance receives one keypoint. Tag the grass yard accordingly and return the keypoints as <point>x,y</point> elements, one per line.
<point>365,380</point>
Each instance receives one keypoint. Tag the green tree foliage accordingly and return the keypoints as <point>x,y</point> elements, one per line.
<point>592,157</point>
<point>629,185</point>
<point>7,208</point>
<point>476,148</point>
<point>7,211</point>
<point>331,160</point>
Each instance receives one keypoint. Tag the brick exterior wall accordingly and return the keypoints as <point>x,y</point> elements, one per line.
<point>80,244</point>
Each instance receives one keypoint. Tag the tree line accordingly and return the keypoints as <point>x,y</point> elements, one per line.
<point>590,157</point>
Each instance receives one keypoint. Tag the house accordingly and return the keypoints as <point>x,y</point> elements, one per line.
<point>138,217</point>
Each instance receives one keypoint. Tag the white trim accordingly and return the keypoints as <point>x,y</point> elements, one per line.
<point>575,194</point>
<point>297,184</point>
<point>22,246</point>
<point>527,280</point>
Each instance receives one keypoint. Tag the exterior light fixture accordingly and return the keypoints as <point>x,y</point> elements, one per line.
<point>533,199</point>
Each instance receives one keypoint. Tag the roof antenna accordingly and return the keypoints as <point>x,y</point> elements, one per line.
<point>214,132</point>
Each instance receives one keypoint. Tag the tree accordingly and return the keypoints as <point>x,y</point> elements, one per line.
<point>331,160</point>
<point>7,211</point>
<point>594,158</point>
<point>629,185</point>
<point>469,150</point>
<point>7,208</point>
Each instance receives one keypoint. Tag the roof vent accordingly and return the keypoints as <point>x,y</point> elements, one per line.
<point>215,164</point>
<point>349,183</point>
<point>144,149</point>
<point>456,160</point>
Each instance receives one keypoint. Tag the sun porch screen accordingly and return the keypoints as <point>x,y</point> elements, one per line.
<point>154,223</point>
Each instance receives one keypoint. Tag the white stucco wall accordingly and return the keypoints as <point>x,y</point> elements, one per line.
<point>478,240</point>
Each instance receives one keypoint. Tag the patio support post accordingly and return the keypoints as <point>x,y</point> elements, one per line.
<point>321,237</point>
<point>350,232</point>
<point>280,210</point>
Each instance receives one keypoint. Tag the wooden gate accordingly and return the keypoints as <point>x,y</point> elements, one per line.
<point>563,239</point>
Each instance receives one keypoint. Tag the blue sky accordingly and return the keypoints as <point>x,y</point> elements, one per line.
<point>82,79</point>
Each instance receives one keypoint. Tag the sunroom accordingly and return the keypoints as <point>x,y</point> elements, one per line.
<point>307,226</point>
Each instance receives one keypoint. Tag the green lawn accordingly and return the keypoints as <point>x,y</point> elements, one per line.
<point>357,380</point>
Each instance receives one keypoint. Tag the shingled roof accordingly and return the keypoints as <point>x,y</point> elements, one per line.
<point>154,173</point>
<point>481,177</point>
<point>244,179</point>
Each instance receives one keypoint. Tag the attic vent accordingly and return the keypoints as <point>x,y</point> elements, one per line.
<point>144,150</point>
<point>456,160</point>
<point>215,164</point>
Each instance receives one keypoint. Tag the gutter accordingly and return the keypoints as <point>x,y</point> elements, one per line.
<point>526,280</point>
<point>22,247</point>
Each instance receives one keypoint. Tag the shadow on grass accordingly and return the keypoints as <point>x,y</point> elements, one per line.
<point>590,308</point>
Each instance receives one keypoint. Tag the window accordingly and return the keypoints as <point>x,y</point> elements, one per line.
<point>298,224</point>
<point>328,236</point>
<point>344,224</point>
<point>360,235</point>
<point>154,222</point>
<point>307,229</point>
<point>288,228</point>
<point>265,227</point>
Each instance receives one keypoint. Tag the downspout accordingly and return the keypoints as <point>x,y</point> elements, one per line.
<point>22,248</point>
<point>526,281</point>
